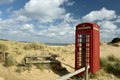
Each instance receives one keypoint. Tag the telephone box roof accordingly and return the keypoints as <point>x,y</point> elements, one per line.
<point>91,24</point>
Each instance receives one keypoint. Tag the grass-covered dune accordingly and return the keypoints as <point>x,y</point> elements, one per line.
<point>109,57</point>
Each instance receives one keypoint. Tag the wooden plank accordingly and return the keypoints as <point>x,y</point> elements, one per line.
<point>42,56</point>
<point>38,62</point>
<point>67,76</point>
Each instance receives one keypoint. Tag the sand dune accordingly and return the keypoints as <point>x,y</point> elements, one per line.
<point>66,58</point>
<point>109,49</point>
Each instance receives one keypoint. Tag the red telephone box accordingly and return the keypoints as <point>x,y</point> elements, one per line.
<point>87,46</point>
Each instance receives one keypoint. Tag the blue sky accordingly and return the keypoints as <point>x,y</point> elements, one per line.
<point>54,21</point>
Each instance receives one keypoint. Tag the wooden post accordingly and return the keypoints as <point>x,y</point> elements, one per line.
<point>4,56</point>
<point>86,72</point>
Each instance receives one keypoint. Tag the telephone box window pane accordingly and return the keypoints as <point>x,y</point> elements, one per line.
<point>88,36</point>
<point>87,44</point>
<point>80,40</point>
<point>80,44</point>
<point>87,40</point>
<point>83,37</point>
<point>79,48</point>
<point>79,64</point>
<point>87,49</point>
<point>80,58</point>
<point>79,53</point>
<point>79,35</point>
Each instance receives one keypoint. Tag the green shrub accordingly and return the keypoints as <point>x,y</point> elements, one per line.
<point>26,47</point>
<point>113,66</point>
<point>3,47</point>
<point>10,61</point>
<point>103,62</point>
<point>116,44</point>
<point>110,68</point>
<point>115,40</point>
<point>117,68</point>
<point>112,58</point>
<point>93,76</point>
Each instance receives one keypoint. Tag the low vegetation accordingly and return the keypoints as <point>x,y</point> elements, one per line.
<point>3,47</point>
<point>19,69</point>
<point>10,61</point>
<point>34,45</point>
<point>115,40</point>
<point>111,64</point>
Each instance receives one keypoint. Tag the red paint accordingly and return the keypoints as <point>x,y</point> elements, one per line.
<point>87,51</point>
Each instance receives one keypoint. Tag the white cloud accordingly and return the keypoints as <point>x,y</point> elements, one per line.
<point>108,25</point>
<point>118,32</point>
<point>63,32</point>
<point>57,31</point>
<point>117,20</point>
<point>38,21</point>
<point>21,18</point>
<point>27,27</point>
<point>107,30</point>
<point>69,18</point>
<point>13,23</point>
<point>103,14</point>
<point>107,35</point>
<point>107,20</point>
<point>45,11</point>
<point>70,3</point>
<point>6,1</point>
<point>16,26</point>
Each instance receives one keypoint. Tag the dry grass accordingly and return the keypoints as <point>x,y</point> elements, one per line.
<point>20,49</point>
<point>66,56</point>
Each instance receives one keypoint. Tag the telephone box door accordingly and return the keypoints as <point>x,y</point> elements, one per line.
<point>83,50</point>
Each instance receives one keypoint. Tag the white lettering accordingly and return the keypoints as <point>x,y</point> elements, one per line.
<point>87,27</point>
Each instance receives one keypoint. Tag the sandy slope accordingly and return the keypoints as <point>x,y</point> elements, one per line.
<point>47,74</point>
<point>34,74</point>
<point>106,50</point>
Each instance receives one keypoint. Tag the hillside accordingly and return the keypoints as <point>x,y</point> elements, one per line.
<point>66,58</point>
